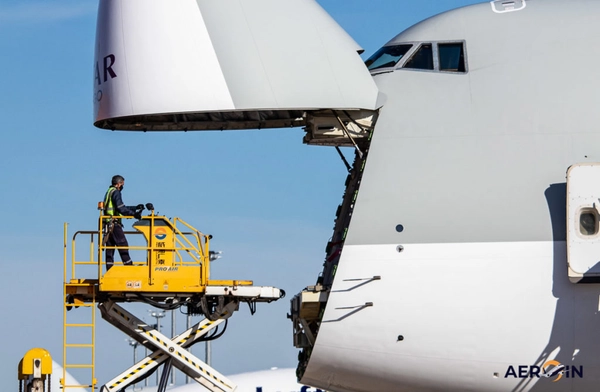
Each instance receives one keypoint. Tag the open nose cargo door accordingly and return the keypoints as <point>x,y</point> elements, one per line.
<point>233,64</point>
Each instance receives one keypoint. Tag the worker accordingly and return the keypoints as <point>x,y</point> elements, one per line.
<point>114,207</point>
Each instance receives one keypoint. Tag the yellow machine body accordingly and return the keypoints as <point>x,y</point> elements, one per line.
<point>164,268</point>
<point>146,279</point>
<point>175,260</point>
<point>36,363</point>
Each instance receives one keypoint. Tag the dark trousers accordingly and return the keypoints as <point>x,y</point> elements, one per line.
<point>117,238</point>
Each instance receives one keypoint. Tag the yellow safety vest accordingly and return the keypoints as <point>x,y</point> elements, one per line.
<point>109,208</point>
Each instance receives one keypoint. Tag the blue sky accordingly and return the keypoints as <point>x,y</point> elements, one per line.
<point>268,199</point>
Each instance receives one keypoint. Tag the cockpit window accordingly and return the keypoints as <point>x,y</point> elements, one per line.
<point>436,56</point>
<point>422,59</point>
<point>387,56</point>
<point>452,57</point>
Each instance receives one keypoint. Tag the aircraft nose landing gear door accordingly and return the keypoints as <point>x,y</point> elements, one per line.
<point>583,231</point>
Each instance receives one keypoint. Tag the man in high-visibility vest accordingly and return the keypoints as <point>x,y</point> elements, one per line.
<point>114,207</point>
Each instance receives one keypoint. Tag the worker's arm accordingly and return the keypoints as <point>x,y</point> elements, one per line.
<point>120,206</point>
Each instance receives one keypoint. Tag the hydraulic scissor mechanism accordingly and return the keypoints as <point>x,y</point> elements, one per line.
<point>170,269</point>
<point>164,349</point>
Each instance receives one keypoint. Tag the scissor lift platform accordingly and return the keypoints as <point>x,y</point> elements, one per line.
<point>175,273</point>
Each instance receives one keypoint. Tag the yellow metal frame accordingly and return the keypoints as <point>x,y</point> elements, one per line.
<point>171,274</point>
<point>165,273</point>
<point>166,270</point>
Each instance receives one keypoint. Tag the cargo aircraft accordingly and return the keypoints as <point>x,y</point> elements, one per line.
<point>466,249</point>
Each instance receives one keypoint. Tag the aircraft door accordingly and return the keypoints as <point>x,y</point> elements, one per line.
<point>583,230</point>
<point>204,64</point>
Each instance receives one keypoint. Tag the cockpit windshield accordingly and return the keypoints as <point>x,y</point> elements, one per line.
<point>388,56</point>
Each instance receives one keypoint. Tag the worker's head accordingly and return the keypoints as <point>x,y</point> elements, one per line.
<point>118,181</point>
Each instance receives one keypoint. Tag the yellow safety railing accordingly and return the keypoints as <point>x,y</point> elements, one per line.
<point>169,245</point>
<point>198,252</point>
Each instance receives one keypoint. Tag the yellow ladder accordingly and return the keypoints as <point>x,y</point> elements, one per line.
<point>79,328</point>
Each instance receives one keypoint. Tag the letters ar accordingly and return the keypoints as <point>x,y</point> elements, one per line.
<point>107,69</point>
